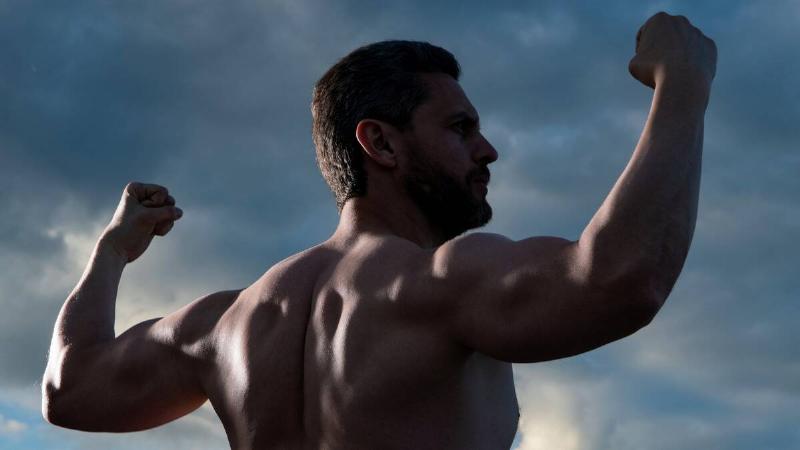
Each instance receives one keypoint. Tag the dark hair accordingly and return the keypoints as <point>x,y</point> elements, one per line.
<point>378,81</point>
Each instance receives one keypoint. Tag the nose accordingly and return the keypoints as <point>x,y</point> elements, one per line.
<point>485,152</point>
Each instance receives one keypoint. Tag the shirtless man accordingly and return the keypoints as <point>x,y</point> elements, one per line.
<point>398,332</point>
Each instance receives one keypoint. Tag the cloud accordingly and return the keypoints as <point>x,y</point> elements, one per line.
<point>212,101</point>
<point>671,432</point>
<point>555,415</point>
<point>733,357</point>
<point>11,426</point>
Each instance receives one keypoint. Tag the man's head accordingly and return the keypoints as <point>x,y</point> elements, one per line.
<point>403,97</point>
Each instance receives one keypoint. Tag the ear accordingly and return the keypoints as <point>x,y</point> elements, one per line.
<point>373,135</point>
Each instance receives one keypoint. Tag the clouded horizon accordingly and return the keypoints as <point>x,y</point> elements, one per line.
<point>211,99</point>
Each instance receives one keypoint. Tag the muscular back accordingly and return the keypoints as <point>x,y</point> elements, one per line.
<point>371,342</point>
<point>339,348</point>
<point>374,342</point>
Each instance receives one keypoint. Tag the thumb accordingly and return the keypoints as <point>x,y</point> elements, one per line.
<point>164,213</point>
<point>642,71</point>
<point>163,228</point>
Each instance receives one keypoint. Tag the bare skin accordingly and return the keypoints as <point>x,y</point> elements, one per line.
<point>388,335</point>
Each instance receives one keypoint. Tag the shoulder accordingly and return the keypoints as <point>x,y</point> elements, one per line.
<point>291,272</point>
<point>435,277</point>
<point>209,307</point>
<point>479,263</point>
<point>494,254</point>
<point>461,258</point>
<point>465,249</point>
<point>192,326</point>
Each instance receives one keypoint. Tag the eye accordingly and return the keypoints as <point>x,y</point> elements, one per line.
<point>461,127</point>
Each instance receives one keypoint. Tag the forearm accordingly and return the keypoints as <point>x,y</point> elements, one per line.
<point>87,317</point>
<point>644,227</point>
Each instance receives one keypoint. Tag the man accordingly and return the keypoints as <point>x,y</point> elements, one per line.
<point>397,332</point>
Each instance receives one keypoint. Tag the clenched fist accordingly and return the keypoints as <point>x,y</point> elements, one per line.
<point>145,210</point>
<point>669,47</point>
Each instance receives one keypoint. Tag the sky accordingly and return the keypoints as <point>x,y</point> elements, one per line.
<point>211,99</point>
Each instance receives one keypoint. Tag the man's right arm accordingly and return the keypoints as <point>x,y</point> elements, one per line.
<point>544,298</point>
<point>147,376</point>
<point>151,373</point>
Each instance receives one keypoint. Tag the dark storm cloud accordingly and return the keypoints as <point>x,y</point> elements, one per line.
<point>211,99</point>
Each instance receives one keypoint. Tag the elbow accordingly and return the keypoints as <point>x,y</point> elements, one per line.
<point>632,314</point>
<point>645,310</point>
<point>52,389</point>
<point>53,405</point>
<point>55,413</point>
<point>52,398</point>
<point>49,414</point>
<point>652,297</point>
<point>639,303</point>
<point>49,411</point>
<point>59,389</point>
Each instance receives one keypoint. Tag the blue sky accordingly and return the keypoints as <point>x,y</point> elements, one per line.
<point>212,100</point>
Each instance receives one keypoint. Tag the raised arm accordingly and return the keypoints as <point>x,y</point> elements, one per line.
<point>148,375</point>
<point>647,221</point>
<point>544,298</point>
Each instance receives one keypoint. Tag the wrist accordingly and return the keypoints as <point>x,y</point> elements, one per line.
<point>681,94</point>
<point>109,253</point>
<point>683,86</point>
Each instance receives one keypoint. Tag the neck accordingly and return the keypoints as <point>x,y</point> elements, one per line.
<point>401,218</point>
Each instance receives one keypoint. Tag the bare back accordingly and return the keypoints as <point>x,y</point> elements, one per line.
<point>328,350</point>
<point>370,341</point>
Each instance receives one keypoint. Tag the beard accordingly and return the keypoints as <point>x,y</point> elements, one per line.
<point>448,203</point>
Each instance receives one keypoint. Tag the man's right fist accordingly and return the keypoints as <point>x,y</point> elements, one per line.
<point>670,47</point>
<point>145,211</point>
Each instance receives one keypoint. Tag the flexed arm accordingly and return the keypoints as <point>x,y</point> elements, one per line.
<point>147,376</point>
<point>87,317</point>
<point>646,223</point>
<point>544,298</point>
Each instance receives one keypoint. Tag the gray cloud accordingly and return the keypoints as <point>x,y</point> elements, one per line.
<point>212,101</point>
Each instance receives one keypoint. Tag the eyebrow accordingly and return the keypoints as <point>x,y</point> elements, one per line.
<point>463,115</point>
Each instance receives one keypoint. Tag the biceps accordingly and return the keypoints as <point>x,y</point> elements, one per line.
<point>133,383</point>
<point>534,329</point>
<point>537,311</point>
